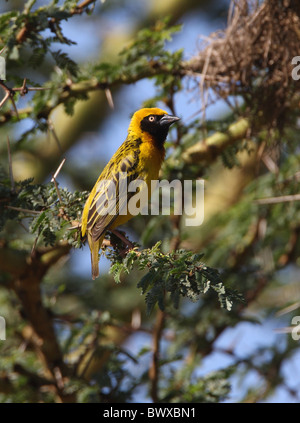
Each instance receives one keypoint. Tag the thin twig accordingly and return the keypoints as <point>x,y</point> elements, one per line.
<point>57,189</point>
<point>52,130</point>
<point>109,98</point>
<point>288,309</point>
<point>7,94</point>
<point>276,200</point>
<point>24,89</point>
<point>62,212</point>
<point>58,169</point>
<point>54,179</point>
<point>33,249</point>
<point>85,3</point>
<point>14,106</point>
<point>38,88</point>
<point>20,209</point>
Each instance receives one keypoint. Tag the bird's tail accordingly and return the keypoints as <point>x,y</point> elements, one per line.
<point>95,247</point>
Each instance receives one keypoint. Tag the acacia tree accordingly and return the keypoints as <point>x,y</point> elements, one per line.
<point>66,334</point>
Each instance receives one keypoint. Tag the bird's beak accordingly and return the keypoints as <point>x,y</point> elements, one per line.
<point>167,120</point>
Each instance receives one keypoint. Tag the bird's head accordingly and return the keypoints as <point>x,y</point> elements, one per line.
<point>151,124</point>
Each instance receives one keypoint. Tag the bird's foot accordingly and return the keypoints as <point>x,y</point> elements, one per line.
<point>128,244</point>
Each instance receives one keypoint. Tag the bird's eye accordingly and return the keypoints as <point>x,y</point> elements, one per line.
<point>151,118</point>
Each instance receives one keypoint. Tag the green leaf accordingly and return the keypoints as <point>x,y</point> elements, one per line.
<point>38,221</point>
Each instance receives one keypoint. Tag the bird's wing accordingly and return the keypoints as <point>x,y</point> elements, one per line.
<point>111,194</point>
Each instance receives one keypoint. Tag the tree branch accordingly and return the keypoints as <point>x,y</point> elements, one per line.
<point>154,369</point>
<point>27,273</point>
<point>207,150</point>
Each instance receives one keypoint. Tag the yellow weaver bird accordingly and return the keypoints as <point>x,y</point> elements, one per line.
<point>139,158</point>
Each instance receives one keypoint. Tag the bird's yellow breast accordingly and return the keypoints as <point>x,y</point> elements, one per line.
<point>151,159</point>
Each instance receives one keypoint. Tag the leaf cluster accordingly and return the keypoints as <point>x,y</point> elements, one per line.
<point>142,57</point>
<point>29,27</point>
<point>179,273</point>
<point>48,209</point>
<point>212,388</point>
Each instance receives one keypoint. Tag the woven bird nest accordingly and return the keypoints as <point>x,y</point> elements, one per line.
<point>253,58</point>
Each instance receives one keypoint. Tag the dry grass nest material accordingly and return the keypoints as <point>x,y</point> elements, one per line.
<point>253,58</point>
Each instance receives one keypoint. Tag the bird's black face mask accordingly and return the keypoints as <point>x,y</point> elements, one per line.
<point>158,126</point>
